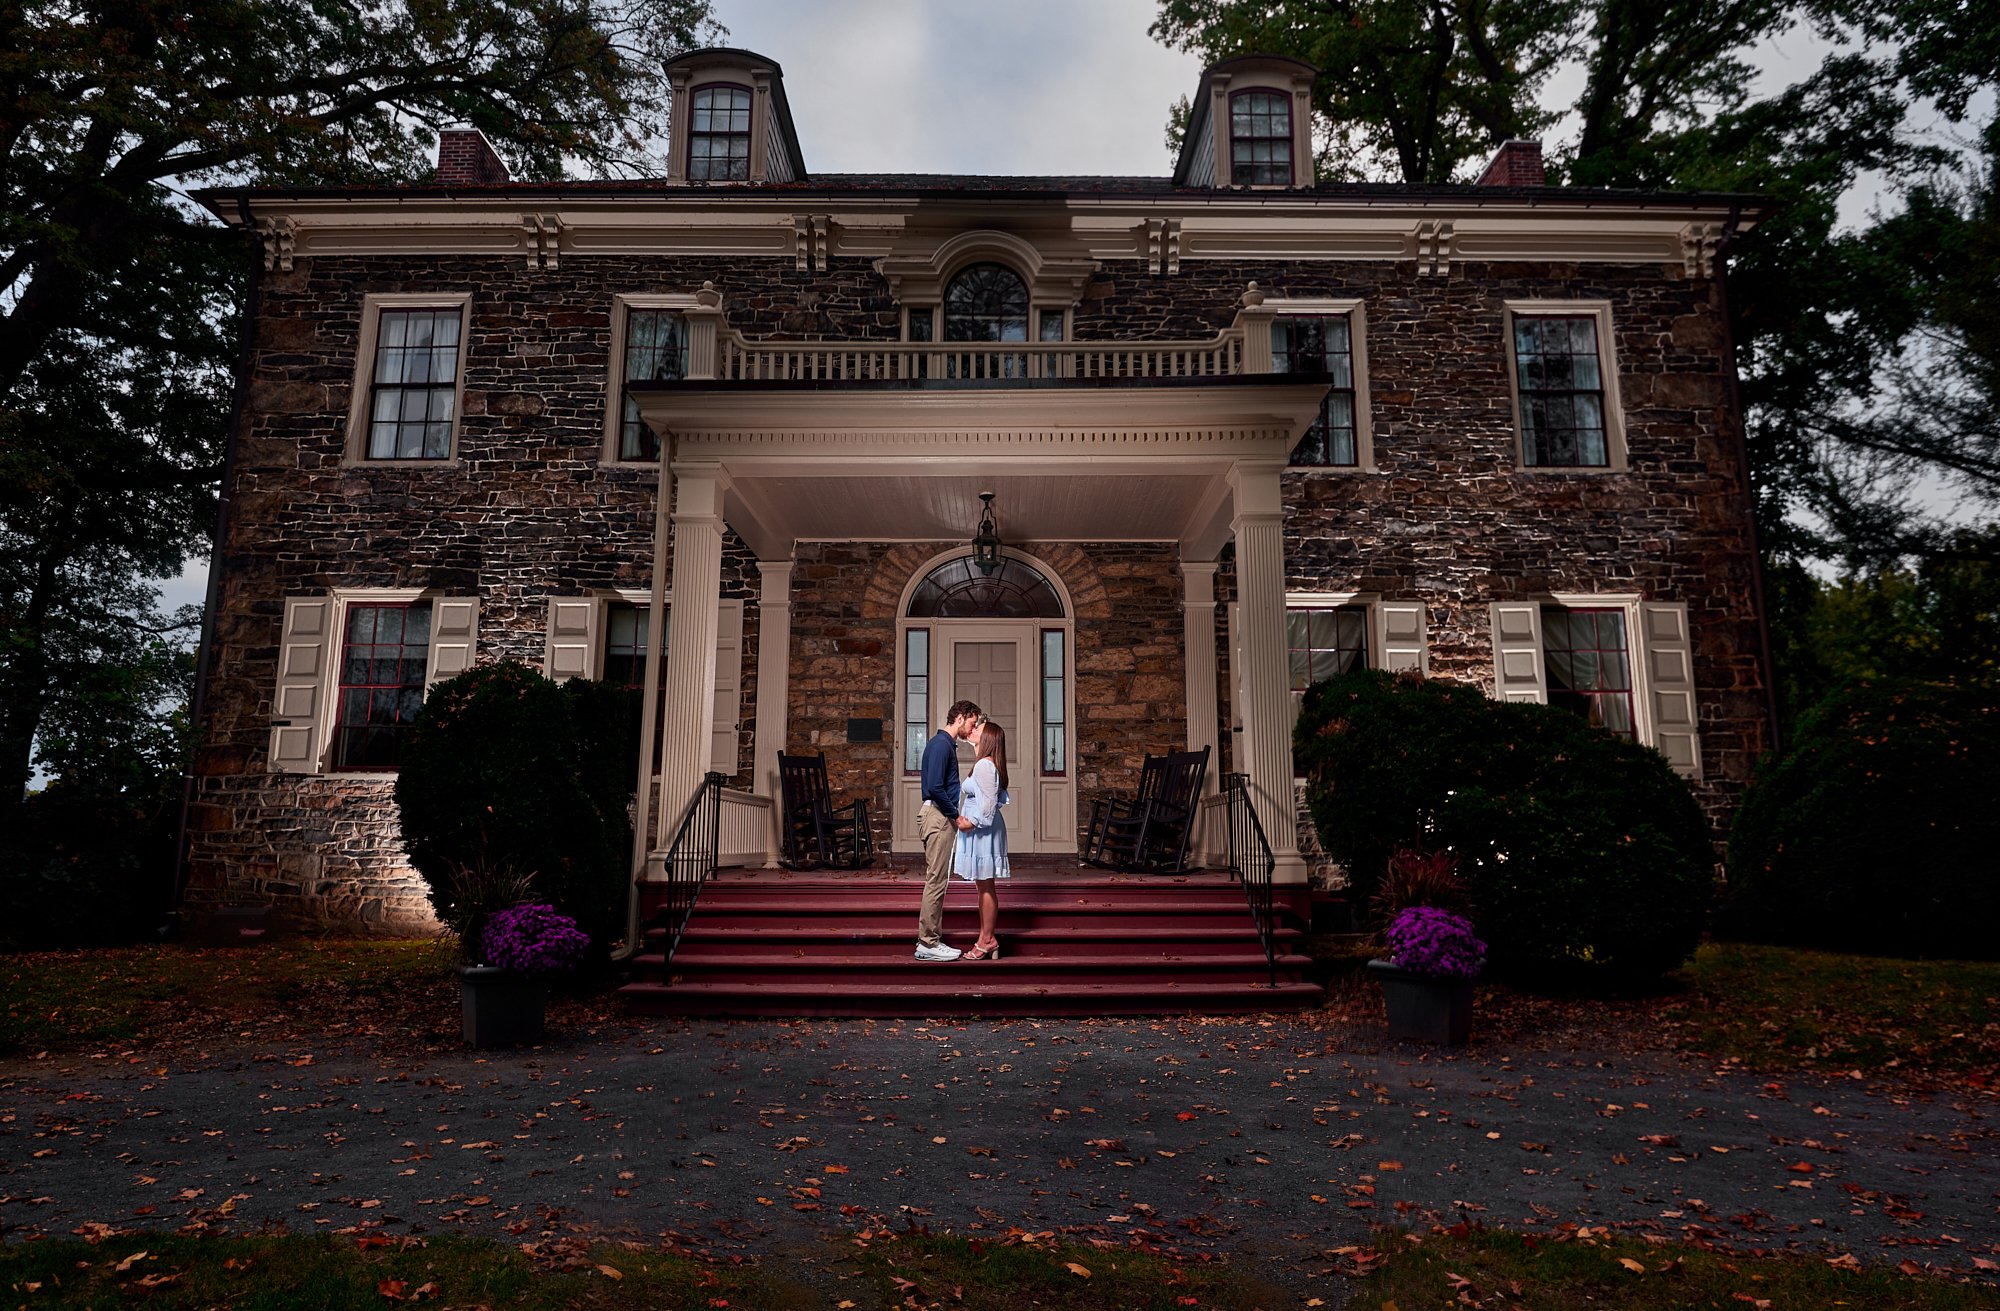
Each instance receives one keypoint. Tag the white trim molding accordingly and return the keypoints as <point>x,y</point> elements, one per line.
<point>1356,311</point>
<point>1607,368</point>
<point>354,450</point>
<point>622,305</point>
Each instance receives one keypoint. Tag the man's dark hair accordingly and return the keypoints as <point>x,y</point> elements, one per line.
<point>959,710</point>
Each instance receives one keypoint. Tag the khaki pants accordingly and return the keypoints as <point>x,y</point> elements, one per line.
<point>940,835</point>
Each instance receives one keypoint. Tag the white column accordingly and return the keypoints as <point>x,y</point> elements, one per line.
<point>1259,527</point>
<point>688,693</point>
<point>774,667</point>
<point>1198,652</point>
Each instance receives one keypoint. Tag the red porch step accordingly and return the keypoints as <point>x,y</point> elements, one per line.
<point>767,944</point>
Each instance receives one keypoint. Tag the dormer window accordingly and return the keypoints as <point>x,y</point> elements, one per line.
<point>719,135</point>
<point>730,120</point>
<point>1250,125</point>
<point>986,302</point>
<point>1260,139</point>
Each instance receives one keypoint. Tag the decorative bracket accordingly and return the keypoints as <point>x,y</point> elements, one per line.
<point>278,237</point>
<point>1434,242</point>
<point>812,242</point>
<point>1163,246</point>
<point>541,240</point>
<point>1698,247</point>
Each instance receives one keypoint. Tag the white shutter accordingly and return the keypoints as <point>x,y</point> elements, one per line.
<point>305,652</point>
<point>454,634</point>
<point>1669,657</point>
<point>573,637</point>
<point>1518,674</point>
<point>725,747</point>
<point>1402,640</point>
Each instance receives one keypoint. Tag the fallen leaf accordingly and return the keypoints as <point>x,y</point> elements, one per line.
<point>1080,1271</point>
<point>611,1271</point>
<point>129,1262</point>
<point>1631,1265</point>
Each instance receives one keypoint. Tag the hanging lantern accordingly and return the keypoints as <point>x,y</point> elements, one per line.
<point>986,542</point>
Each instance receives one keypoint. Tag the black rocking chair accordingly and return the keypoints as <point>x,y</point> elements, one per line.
<point>1150,831</point>
<point>816,833</point>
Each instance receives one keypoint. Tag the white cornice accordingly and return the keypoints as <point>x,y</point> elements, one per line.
<point>1087,227</point>
<point>1109,423</point>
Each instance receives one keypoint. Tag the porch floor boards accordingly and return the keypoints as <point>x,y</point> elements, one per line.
<point>1074,942</point>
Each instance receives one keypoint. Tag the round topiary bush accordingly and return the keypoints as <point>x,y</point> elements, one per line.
<point>494,784</point>
<point>1583,854</point>
<point>1876,830</point>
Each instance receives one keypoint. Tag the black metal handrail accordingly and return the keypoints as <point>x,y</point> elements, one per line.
<point>1250,860</point>
<point>690,860</point>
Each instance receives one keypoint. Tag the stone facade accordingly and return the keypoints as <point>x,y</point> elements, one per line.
<point>529,510</point>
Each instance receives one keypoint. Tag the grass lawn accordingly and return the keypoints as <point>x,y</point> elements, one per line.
<point>1785,1008</point>
<point>1464,1266</point>
<point>159,995</point>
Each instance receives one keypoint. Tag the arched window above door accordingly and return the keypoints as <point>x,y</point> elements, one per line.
<point>957,590</point>
<point>986,302</point>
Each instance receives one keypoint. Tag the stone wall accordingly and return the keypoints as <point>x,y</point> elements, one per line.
<point>530,511</point>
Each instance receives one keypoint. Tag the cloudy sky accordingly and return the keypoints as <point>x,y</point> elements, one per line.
<point>970,86</point>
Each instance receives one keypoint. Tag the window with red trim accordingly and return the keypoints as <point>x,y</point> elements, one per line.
<point>384,655</point>
<point>1588,659</point>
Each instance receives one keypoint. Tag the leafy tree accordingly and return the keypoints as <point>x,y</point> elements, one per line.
<point>118,302</point>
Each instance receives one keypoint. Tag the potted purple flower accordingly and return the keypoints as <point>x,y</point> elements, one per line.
<point>1427,979</point>
<point>522,948</point>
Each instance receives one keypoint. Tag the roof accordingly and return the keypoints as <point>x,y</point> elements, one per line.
<point>224,201</point>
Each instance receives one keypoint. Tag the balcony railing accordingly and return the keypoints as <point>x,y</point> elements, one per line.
<point>718,352</point>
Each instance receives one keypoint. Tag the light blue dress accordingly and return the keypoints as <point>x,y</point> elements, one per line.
<point>981,851</point>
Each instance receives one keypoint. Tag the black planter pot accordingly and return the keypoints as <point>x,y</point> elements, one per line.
<point>1424,1008</point>
<point>502,1009</point>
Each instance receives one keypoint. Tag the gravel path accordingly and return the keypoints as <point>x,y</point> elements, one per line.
<point>1237,1136</point>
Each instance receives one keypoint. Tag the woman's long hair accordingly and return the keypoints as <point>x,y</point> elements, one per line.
<point>993,746</point>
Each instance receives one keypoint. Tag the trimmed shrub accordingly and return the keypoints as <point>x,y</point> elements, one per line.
<point>1584,855</point>
<point>1877,830</point>
<point>496,777</point>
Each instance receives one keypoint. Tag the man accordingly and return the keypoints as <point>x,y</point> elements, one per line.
<point>938,823</point>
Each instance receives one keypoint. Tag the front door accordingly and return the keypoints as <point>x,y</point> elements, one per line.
<point>988,674</point>
<point>1016,673</point>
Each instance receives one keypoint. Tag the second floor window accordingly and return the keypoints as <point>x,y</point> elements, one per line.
<point>413,392</point>
<point>719,135</point>
<point>1561,387</point>
<point>655,351</point>
<point>1260,139</point>
<point>1321,346</point>
<point>986,302</point>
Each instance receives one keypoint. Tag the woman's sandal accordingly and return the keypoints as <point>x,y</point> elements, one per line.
<point>984,953</point>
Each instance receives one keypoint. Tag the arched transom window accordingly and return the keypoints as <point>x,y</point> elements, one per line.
<point>986,302</point>
<point>957,590</point>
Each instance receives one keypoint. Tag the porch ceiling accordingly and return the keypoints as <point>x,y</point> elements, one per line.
<point>1144,462</point>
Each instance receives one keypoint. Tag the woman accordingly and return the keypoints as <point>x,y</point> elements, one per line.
<point>981,853</point>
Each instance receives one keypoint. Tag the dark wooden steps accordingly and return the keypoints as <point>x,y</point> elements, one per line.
<point>793,945</point>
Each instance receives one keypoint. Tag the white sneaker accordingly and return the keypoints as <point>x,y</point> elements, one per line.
<point>939,952</point>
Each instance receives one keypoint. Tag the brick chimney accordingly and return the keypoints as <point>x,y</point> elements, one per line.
<point>1515,164</point>
<point>467,159</point>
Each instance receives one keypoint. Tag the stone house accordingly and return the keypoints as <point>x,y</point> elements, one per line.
<point>1239,430</point>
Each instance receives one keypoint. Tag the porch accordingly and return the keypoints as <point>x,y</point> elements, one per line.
<point>1173,450</point>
